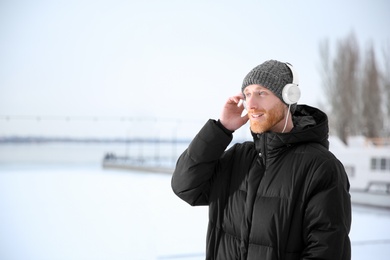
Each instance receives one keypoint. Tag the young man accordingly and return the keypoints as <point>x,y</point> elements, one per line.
<point>283,196</point>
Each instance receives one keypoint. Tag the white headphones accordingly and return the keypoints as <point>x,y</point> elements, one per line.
<point>291,92</point>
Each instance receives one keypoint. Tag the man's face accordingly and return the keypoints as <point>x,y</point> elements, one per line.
<point>266,111</point>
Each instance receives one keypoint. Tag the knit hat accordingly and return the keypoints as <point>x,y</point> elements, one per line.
<point>273,75</point>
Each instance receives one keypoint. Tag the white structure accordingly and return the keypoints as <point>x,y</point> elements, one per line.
<point>367,163</point>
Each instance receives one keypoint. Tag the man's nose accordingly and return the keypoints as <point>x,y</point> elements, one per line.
<point>250,103</point>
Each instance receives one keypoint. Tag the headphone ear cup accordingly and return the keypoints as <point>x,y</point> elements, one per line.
<point>291,94</point>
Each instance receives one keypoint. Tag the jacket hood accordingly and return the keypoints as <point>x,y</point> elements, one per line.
<point>310,125</point>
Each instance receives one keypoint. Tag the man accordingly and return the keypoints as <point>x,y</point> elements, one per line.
<point>283,196</point>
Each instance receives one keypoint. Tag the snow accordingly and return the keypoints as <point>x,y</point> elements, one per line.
<point>86,212</point>
<point>370,233</point>
<point>95,214</point>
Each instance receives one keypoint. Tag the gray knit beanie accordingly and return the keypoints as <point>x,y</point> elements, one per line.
<point>273,75</point>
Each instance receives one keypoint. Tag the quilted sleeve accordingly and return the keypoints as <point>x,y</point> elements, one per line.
<point>197,165</point>
<point>327,218</point>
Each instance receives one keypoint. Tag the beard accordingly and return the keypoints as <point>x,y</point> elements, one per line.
<point>269,120</point>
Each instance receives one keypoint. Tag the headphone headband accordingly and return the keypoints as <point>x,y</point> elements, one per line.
<point>295,80</point>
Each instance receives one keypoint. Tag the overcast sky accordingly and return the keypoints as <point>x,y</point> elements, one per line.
<point>163,59</point>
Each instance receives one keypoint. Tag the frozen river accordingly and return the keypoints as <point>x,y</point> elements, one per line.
<point>80,211</point>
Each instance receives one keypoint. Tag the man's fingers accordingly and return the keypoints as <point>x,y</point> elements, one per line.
<point>237,99</point>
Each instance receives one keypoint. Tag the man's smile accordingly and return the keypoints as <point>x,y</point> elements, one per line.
<point>256,115</point>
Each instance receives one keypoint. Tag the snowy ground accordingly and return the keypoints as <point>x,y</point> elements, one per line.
<point>94,214</point>
<point>87,213</point>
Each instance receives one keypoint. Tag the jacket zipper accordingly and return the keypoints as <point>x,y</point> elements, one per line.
<point>262,151</point>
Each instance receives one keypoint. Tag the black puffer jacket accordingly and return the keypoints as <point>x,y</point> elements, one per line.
<point>283,196</point>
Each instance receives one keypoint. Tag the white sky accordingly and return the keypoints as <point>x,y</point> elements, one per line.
<point>165,59</point>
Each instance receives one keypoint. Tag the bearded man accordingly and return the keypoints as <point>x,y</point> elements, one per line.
<point>282,196</point>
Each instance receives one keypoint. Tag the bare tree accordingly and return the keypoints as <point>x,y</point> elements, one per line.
<point>386,90</point>
<point>359,97</point>
<point>341,83</point>
<point>372,114</point>
<point>327,76</point>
